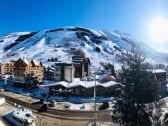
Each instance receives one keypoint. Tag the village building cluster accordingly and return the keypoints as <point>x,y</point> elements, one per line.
<point>60,71</point>
<point>73,78</point>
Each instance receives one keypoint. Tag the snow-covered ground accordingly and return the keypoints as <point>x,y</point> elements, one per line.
<point>59,42</point>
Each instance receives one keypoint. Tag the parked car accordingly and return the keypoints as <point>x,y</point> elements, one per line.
<point>52,103</point>
<point>43,108</point>
<point>104,106</point>
<point>66,106</point>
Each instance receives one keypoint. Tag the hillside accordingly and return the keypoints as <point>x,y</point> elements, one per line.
<point>99,46</point>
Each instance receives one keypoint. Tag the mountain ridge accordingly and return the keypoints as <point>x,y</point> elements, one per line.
<point>99,46</point>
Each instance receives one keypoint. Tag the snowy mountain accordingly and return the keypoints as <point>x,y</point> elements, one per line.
<point>99,46</point>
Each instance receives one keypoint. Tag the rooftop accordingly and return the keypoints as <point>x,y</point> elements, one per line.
<point>77,82</point>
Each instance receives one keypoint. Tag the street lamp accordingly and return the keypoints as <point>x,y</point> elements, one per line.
<point>95,114</point>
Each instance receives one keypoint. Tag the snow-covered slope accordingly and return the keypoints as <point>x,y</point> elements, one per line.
<point>99,46</point>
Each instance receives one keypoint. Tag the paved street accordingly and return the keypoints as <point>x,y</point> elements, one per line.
<point>52,117</point>
<point>42,120</point>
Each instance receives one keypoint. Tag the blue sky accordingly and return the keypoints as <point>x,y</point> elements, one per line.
<point>132,16</point>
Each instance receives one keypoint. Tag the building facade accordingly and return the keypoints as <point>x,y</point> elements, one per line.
<point>23,69</point>
<point>82,66</point>
<point>63,72</point>
<point>161,79</point>
<point>85,88</point>
<point>7,68</point>
<point>68,73</point>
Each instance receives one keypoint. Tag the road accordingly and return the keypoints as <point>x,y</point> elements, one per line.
<point>54,117</point>
<point>41,120</point>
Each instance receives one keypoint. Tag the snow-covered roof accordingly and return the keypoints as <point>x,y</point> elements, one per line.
<point>74,84</point>
<point>78,82</point>
<point>158,71</point>
<point>109,84</point>
<point>36,62</point>
<point>27,61</point>
<point>48,83</point>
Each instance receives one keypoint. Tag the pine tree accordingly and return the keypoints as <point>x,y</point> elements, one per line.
<point>140,88</point>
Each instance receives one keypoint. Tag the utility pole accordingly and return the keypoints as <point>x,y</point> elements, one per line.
<point>95,114</point>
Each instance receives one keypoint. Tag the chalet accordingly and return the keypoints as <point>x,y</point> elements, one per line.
<point>81,65</point>
<point>78,90</point>
<point>7,68</point>
<point>25,70</point>
<point>83,88</point>
<point>58,89</point>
